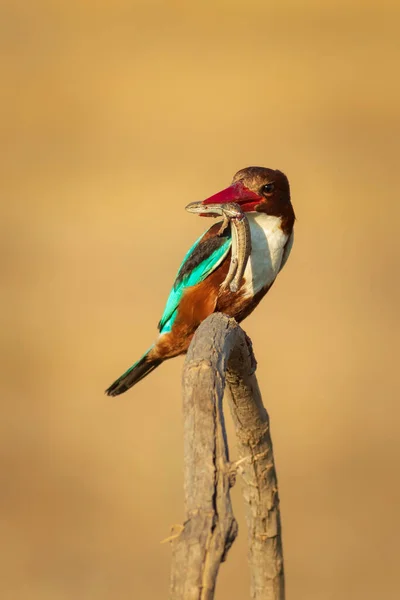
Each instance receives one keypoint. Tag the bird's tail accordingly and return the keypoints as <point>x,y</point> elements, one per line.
<point>135,373</point>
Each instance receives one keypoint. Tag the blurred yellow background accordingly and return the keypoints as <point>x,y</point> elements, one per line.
<point>116,114</point>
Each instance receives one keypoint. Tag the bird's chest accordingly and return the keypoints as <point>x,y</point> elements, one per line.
<point>267,246</point>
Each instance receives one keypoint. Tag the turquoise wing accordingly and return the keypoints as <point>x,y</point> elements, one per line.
<point>202,259</point>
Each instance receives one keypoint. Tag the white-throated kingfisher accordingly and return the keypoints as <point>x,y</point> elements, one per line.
<point>264,195</point>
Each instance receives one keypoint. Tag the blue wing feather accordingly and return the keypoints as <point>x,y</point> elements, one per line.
<point>201,269</point>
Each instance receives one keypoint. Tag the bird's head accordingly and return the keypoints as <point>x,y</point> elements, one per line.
<point>256,189</point>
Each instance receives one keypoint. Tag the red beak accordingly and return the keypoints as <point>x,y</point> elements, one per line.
<point>237,192</point>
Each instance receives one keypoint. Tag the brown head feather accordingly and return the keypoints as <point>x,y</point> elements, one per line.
<point>277,202</point>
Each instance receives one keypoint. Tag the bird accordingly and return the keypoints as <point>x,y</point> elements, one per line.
<point>264,195</point>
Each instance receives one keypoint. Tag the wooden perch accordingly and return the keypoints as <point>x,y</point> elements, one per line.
<point>221,354</point>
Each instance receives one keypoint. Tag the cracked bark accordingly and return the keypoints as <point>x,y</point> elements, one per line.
<point>220,356</point>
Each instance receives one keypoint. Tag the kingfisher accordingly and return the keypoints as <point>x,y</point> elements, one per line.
<point>264,195</point>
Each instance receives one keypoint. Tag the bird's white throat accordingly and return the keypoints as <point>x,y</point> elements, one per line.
<point>268,252</point>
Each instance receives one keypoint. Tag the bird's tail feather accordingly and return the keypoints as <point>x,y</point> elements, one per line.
<point>134,374</point>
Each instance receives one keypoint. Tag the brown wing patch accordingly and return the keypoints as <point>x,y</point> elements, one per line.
<point>209,243</point>
<point>197,303</point>
<point>200,301</point>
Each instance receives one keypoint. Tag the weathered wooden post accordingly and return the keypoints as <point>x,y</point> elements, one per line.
<point>220,356</point>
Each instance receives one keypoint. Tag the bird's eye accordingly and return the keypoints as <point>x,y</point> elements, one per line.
<point>268,188</point>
